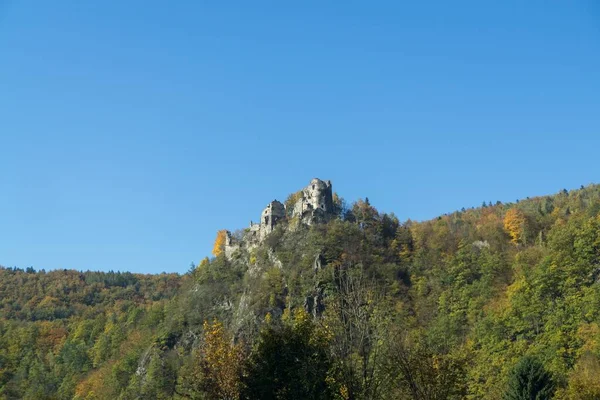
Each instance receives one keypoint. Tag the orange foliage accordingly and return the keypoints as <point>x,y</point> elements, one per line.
<point>51,336</point>
<point>219,243</point>
<point>94,386</point>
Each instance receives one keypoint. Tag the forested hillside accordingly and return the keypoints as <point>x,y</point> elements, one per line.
<point>500,301</point>
<point>57,327</point>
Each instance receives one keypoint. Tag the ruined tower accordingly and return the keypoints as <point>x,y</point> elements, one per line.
<point>315,203</point>
<point>271,215</point>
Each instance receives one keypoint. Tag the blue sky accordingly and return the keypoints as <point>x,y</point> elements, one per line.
<point>131,131</point>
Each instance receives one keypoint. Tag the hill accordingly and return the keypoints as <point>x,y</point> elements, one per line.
<point>321,299</point>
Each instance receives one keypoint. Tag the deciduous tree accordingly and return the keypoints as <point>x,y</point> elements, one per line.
<point>219,245</point>
<point>514,223</point>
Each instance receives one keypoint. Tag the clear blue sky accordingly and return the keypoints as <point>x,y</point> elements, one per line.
<point>131,131</point>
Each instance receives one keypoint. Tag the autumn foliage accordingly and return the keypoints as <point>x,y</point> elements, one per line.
<point>219,245</point>
<point>221,362</point>
<point>514,223</point>
<point>361,307</point>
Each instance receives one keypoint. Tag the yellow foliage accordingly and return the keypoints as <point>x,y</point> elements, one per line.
<point>344,393</point>
<point>514,224</point>
<point>219,243</point>
<point>221,360</point>
<point>204,263</point>
<point>583,381</point>
<point>301,316</point>
<point>405,252</point>
<point>590,335</point>
<point>109,327</point>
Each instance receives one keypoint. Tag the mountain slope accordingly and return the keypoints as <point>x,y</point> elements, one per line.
<point>439,309</point>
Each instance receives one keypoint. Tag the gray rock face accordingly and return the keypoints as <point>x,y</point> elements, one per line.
<point>319,262</point>
<point>315,205</point>
<point>313,303</point>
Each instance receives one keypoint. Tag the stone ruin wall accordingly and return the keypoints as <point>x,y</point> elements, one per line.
<point>314,206</point>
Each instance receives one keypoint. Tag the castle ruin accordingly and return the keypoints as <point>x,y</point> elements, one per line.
<point>314,205</point>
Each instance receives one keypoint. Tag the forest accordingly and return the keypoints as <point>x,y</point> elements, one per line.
<point>501,301</point>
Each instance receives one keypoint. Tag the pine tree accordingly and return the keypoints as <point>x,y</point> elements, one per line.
<point>529,380</point>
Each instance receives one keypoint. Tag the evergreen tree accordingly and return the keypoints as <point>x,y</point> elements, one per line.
<point>529,380</point>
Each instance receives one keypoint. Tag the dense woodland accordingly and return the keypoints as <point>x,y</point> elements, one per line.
<point>496,302</point>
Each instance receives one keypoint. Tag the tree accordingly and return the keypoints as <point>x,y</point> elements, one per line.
<point>219,245</point>
<point>214,370</point>
<point>529,380</point>
<point>420,374</point>
<point>290,361</point>
<point>221,363</point>
<point>583,381</point>
<point>160,378</point>
<point>365,214</point>
<point>514,223</point>
<point>357,325</point>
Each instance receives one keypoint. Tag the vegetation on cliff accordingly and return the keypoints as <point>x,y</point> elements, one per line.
<point>494,302</point>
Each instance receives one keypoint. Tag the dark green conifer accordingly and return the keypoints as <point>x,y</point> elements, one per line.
<point>529,380</point>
